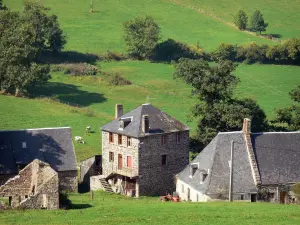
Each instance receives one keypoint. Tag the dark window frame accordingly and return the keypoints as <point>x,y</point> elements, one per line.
<point>164,160</point>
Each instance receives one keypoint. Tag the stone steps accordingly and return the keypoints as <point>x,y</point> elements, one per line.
<point>106,185</point>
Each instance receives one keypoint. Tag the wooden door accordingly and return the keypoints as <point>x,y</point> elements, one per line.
<point>282,197</point>
<point>120,160</point>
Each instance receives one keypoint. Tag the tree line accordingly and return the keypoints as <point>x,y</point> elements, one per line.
<point>24,36</point>
<point>217,108</point>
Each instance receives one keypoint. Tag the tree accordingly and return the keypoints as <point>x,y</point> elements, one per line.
<point>241,20</point>
<point>18,53</point>
<point>257,23</point>
<point>2,7</point>
<point>49,36</point>
<point>290,116</point>
<point>141,36</point>
<point>217,110</point>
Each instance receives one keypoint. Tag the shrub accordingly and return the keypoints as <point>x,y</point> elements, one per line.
<point>252,53</point>
<point>76,69</point>
<point>117,80</point>
<point>296,189</point>
<point>225,51</point>
<point>115,56</point>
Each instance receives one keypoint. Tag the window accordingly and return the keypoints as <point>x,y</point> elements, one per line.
<point>178,137</point>
<point>164,139</point>
<point>164,160</point>
<point>128,141</point>
<point>242,197</point>
<point>197,198</point>
<point>111,156</point>
<point>24,145</point>
<point>194,169</point>
<point>119,139</point>
<point>182,188</point>
<point>129,162</point>
<point>111,137</point>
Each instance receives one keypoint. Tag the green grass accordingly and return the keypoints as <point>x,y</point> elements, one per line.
<point>283,16</point>
<point>115,209</point>
<point>269,85</point>
<point>102,30</point>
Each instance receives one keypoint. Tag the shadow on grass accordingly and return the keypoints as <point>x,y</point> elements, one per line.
<point>67,93</point>
<point>68,57</point>
<point>81,206</point>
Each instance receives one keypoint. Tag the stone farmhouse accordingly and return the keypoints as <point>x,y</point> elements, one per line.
<point>54,146</point>
<point>142,151</point>
<point>265,165</point>
<point>35,187</point>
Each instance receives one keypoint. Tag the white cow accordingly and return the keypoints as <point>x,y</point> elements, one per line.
<point>79,139</point>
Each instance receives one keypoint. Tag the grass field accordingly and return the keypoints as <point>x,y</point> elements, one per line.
<point>283,16</point>
<point>269,85</point>
<point>116,209</point>
<point>102,30</point>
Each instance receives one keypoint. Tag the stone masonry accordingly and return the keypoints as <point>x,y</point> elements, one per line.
<point>35,187</point>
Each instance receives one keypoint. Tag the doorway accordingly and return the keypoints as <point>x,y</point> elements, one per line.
<point>253,197</point>
<point>120,161</point>
<point>282,197</point>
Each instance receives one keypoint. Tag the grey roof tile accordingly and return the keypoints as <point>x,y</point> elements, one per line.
<point>159,122</point>
<point>52,145</point>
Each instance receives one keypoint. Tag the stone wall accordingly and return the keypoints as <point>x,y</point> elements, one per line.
<point>155,178</point>
<point>90,167</point>
<point>109,167</point>
<point>68,181</point>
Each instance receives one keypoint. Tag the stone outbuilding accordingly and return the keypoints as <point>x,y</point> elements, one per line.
<point>35,187</point>
<point>90,167</point>
<point>265,166</point>
<point>54,146</point>
<point>142,151</point>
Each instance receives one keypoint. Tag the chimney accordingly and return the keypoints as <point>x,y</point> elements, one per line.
<point>118,111</point>
<point>247,126</point>
<point>145,124</point>
<point>121,125</point>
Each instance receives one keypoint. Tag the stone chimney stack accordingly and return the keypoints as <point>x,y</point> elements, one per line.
<point>145,124</point>
<point>247,126</point>
<point>118,111</point>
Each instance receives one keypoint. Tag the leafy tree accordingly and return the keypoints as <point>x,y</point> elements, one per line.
<point>217,110</point>
<point>257,23</point>
<point>2,7</point>
<point>241,20</point>
<point>49,36</point>
<point>290,116</point>
<point>141,36</point>
<point>18,53</point>
<point>225,52</point>
<point>296,189</point>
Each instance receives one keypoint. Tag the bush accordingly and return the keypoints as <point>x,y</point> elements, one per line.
<point>252,53</point>
<point>76,69</point>
<point>296,189</point>
<point>225,51</point>
<point>117,80</point>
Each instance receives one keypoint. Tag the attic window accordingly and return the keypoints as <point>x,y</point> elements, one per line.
<point>203,176</point>
<point>24,145</point>
<point>124,122</point>
<point>193,169</point>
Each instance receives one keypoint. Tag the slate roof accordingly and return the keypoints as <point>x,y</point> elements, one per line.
<point>159,122</point>
<point>277,156</point>
<point>215,159</point>
<point>51,145</point>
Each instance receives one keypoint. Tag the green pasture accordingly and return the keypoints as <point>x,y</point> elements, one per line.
<point>116,209</point>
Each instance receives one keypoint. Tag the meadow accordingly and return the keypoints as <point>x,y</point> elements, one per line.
<point>115,209</point>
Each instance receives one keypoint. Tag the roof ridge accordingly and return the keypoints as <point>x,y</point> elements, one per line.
<point>32,129</point>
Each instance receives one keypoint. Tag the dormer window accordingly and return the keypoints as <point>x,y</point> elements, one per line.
<point>193,169</point>
<point>24,145</point>
<point>203,175</point>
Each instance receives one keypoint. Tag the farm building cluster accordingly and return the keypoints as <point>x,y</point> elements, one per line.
<point>146,152</point>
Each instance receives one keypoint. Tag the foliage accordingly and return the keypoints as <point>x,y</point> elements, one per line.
<point>117,80</point>
<point>218,110</point>
<point>257,22</point>
<point>296,189</point>
<point>141,36</point>
<point>2,7</point>
<point>49,36</point>
<point>251,53</point>
<point>225,52</point>
<point>291,115</point>
<point>241,20</point>
<point>77,69</point>
<point>17,61</point>
<point>172,50</point>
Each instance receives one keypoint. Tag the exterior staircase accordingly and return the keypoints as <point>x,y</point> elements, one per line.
<point>106,185</point>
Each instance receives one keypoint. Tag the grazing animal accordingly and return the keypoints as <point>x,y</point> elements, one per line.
<point>88,129</point>
<point>79,139</point>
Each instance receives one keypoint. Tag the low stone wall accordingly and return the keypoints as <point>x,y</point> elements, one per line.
<point>95,183</point>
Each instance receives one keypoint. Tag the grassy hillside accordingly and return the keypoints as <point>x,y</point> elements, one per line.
<point>283,16</point>
<point>116,209</point>
<point>102,30</point>
<point>269,85</point>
